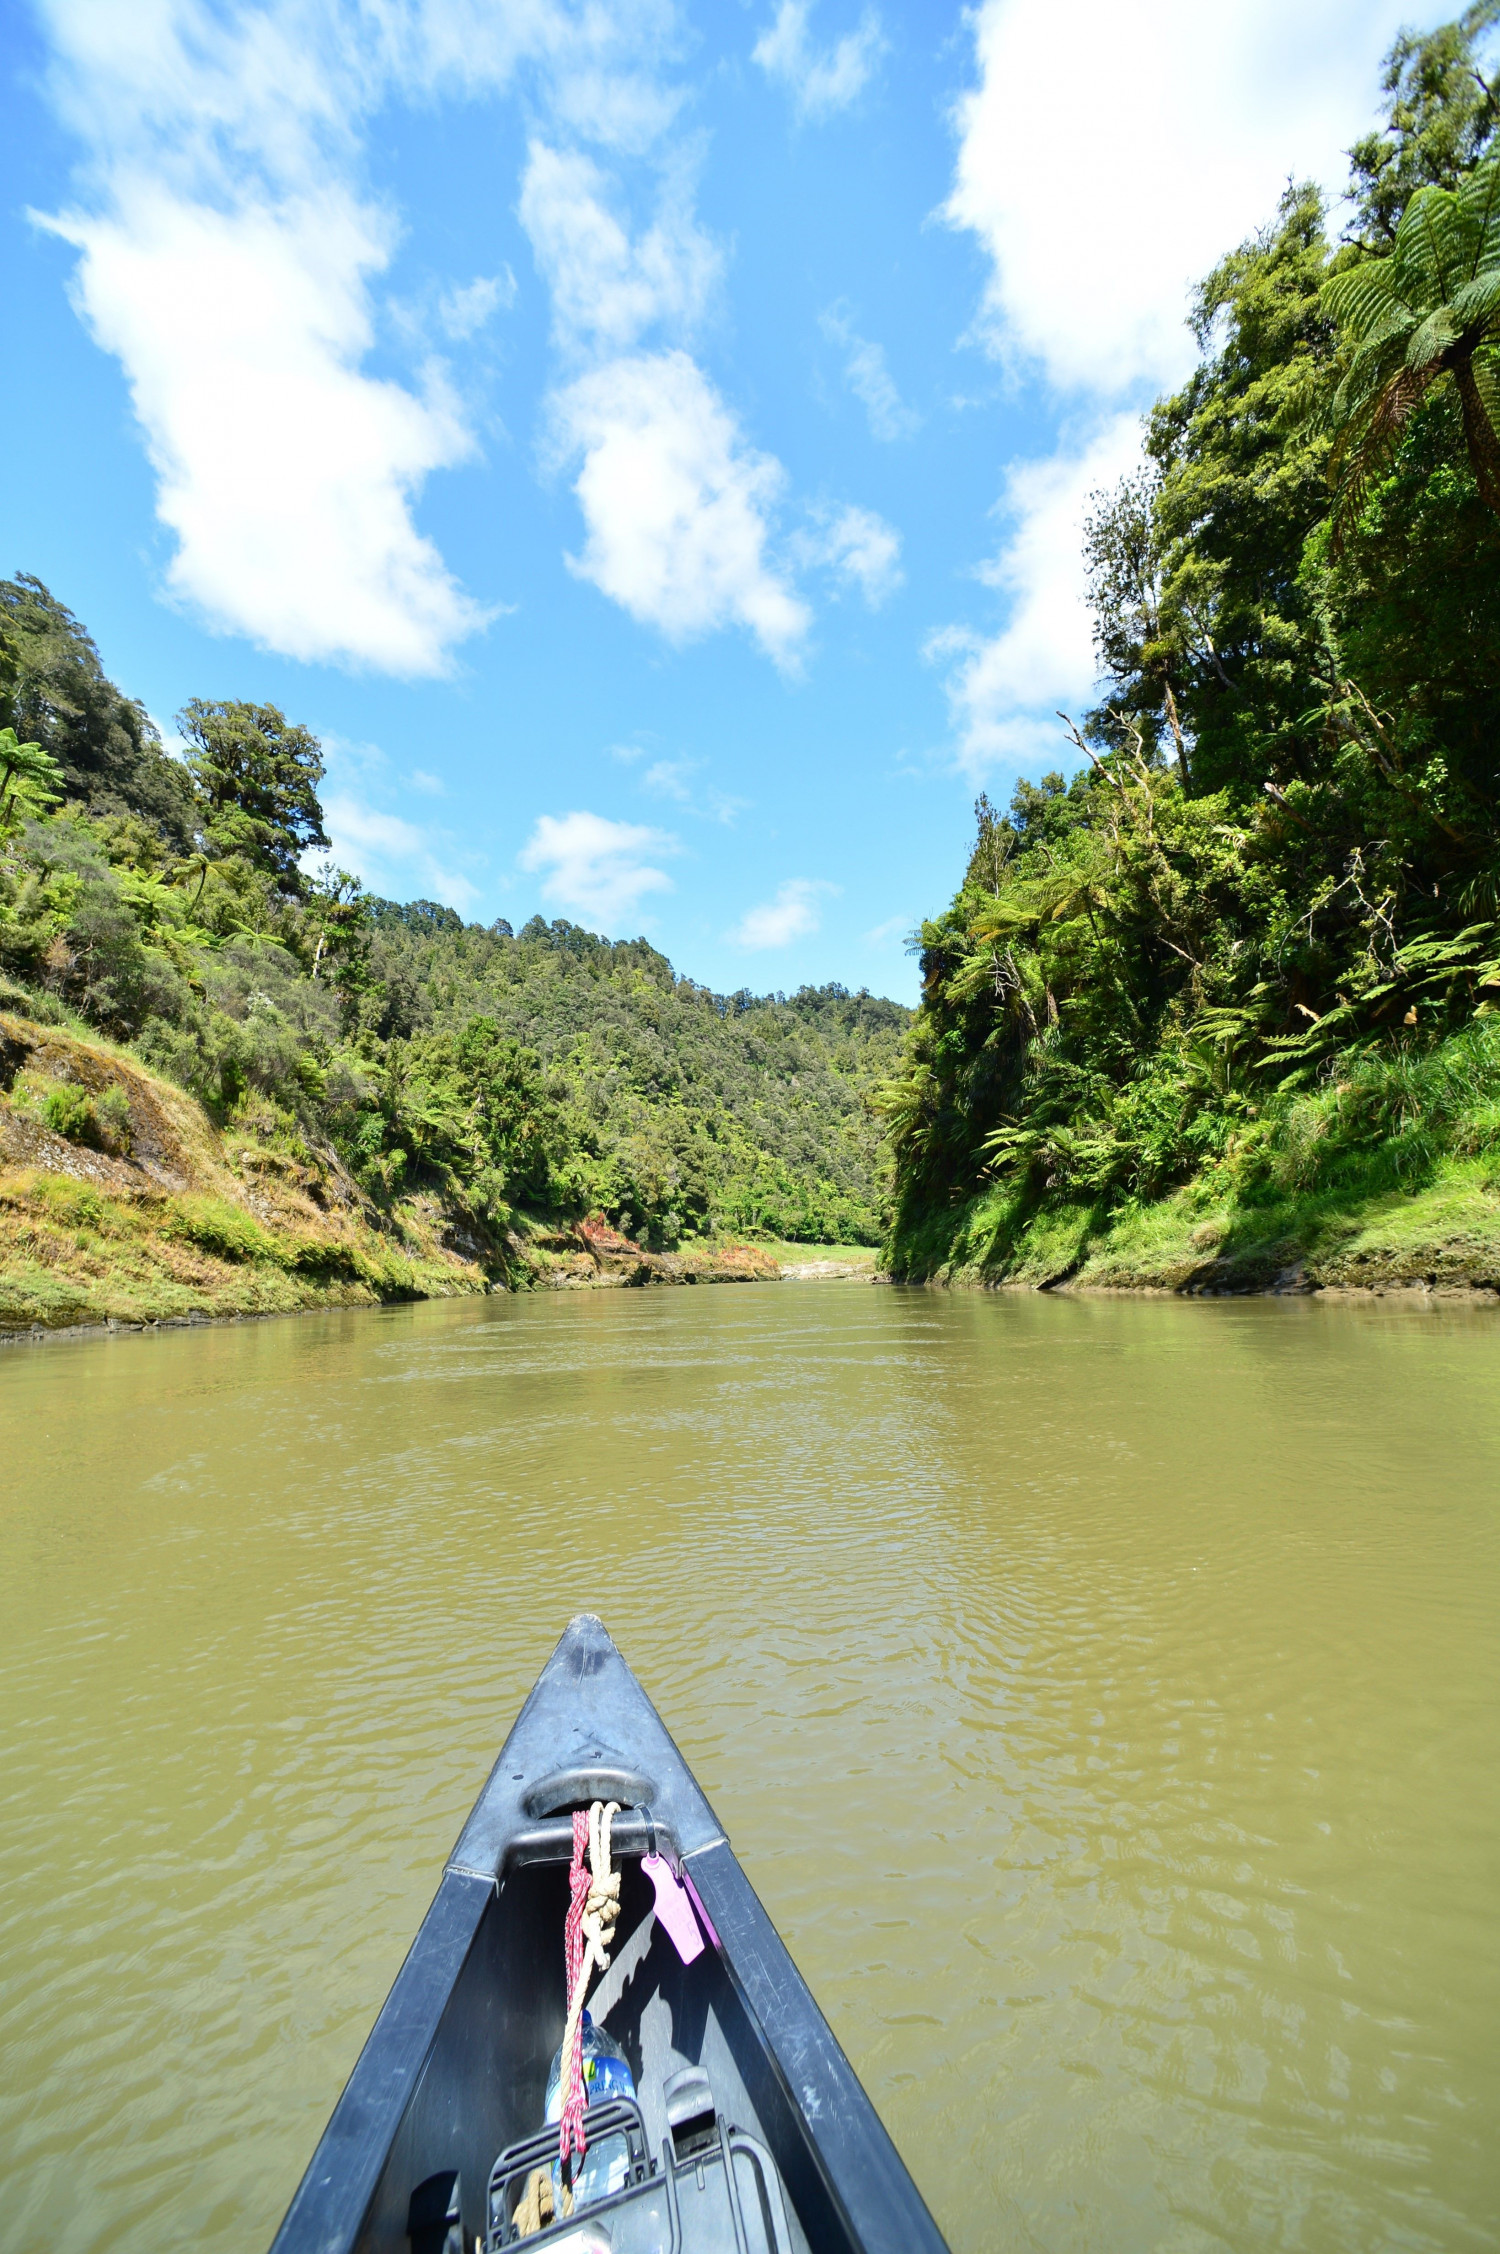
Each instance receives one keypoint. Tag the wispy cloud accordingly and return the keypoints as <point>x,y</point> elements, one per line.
<point>869,378</point>
<point>793,914</point>
<point>394,857</point>
<point>394,854</point>
<point>1004,687</point>
<point>676,504</point>
<point>858,546</point>
<point>669,778</point>
<point>598,869</point>
<point>463,312</point>
<point>607,287</point>
<point>894,927</point>
<point>819,80</point>
<point>673,779</point>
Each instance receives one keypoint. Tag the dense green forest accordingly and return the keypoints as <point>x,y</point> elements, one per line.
<point>1253,945</point>
<point>166,905</point>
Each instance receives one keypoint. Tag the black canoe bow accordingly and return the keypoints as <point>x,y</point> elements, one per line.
<point>455,2066</point>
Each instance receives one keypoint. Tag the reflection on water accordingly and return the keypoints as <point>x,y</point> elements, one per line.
<point>1102,1696</point>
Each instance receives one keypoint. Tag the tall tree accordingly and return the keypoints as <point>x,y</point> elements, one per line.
<point>1241,485</point>
<point>259,776</point>
<point>55,692</point>
<point>1442,112</point>
<point>1139,648</point>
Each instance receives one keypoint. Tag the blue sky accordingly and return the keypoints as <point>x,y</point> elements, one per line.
<point>645,441</point>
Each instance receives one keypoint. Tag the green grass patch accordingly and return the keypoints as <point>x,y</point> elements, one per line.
<point>215,1226</point>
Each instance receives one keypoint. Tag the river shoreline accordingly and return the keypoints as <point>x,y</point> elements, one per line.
<point>1407,1293</point>
<point>810,1271</point>
<point>163,1219</point>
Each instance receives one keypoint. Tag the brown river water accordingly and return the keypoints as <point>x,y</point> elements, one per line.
<point>1101,1694</point>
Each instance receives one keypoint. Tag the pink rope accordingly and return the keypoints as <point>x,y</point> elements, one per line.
<point>571,2135</point>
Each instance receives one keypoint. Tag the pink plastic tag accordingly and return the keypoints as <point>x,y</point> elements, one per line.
<point>696,1899</point>
<point>673,1909</point>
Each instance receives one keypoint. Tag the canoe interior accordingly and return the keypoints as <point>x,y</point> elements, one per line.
<point>484,2082</point>
<point>455,2068</point>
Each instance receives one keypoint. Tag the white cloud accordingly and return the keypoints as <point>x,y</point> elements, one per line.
<point>231,257</point>
<point>668,778</point>
<point>676,506</point>
<point>1177,141</point>
<point>605,82</point>
<point>819,82</point>
<point>869,378</point>
<point>596,868</point>
<point>793,914</point>
<point>1102,191</point>
<point>857,545</point>
<point>395,856</point>
<point>607,290</point>
<point>463,312</point>
<point>229,262</point>
<point>285,473</point>
<point>894,927</point>
<point>1004,689</point>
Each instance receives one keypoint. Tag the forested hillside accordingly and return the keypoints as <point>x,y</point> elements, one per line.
<point>1228,996</point>
<point>165,906</point>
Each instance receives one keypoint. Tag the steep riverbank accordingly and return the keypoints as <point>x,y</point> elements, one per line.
<point>1444,1236</point>
<point>121,1202</point>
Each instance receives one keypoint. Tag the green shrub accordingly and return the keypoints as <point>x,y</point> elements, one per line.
<point>327,1262</point>
<point>69,1110</point>
<point>217,1227</point>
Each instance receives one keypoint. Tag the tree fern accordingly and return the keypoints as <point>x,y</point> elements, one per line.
<point>1426,315</point>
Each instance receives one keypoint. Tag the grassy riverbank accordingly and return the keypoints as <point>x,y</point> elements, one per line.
<point>121,1202</point>
<point>1445,1237</point>
<point>175,908</point>
<point>1387,1178</point>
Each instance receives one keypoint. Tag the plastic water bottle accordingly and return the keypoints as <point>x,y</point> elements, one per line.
<point>606,2075</point>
